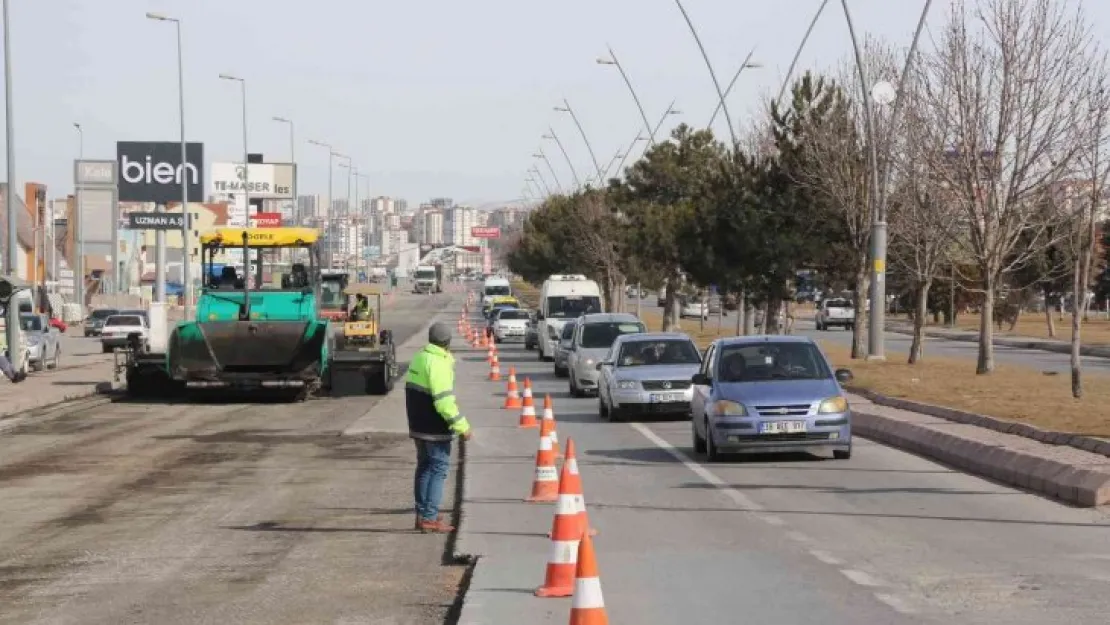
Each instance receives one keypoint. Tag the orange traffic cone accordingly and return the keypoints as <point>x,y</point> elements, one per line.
<point>512,398</point>
<point>588,605</point>
<point>565,534</point>
<point>528,408</point>
<point>545,484</point>
<point>548,422</point>
<point>494,370</point>
<point>571,474</point>
<point>490,353</point>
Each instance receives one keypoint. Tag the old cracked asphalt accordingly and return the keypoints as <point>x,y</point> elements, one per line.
<point>218,513</point>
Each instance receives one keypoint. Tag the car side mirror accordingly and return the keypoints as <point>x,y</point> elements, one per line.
<point>700,379</point>
<point>844,376</point>
<point>601,365</point>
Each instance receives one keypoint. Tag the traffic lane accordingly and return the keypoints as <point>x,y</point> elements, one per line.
<point>214,512</point>
<point>667,552</point>
<point>935,541</point>
<point>1035,359</point>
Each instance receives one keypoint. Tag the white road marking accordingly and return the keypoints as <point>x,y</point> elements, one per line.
<point>797,537</point>
<point>773,520</point>
<point>739,498</point>
<point>894,602</point>
<point>861,578</point>
<point>826,557</point>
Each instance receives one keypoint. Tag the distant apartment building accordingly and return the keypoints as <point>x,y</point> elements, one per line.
<point>431,232</point>
<point>339,208</point>
<point>401,206</point>
<point>441,202</point>
<point>310,207</point>
<point>382,205</point>
<point>457,224</point>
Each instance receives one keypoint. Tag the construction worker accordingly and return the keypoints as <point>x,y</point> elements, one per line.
<point>361,311</point>
<point>434,421</point>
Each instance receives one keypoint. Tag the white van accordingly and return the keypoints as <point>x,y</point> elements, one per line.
<point>564,297</point>
<point>495,286</point>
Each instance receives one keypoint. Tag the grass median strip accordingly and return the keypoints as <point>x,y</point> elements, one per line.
<point>1012,392</point>
<point>1095,331</point>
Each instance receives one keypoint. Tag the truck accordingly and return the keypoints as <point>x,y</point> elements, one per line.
<point>426,279</point>
<point>563,297</point>
<point>837,311</point>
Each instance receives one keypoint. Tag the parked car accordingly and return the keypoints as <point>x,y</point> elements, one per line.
<point>647,374</point>
<point>758,394</point>
<point>562,349</point>
<point>95,321</point>
<point>593,337</point>
<point>835,312</point>
<point>118,328</point>
<point>44,349</point>
<point>692,307</point>
<point>509,325</point>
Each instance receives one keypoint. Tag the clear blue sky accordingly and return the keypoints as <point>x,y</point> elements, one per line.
<point>431,98</point>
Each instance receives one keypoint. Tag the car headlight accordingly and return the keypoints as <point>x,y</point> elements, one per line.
<point>628,384</point>
<point>589,362</point>
<point>833,405</point>
<point>725,408</point>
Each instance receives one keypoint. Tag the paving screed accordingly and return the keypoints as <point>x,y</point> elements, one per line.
<point>220,513</point>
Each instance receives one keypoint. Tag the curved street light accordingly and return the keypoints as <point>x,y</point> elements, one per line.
<point>551,135</point>
<point>541,155</point>
<point>712,74</point>
<point>613,60</point>
<point>567,109</point>
<point>747,64</point>
<point>798,52</point>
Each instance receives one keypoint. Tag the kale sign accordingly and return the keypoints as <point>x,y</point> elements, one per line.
<point>155,221</point>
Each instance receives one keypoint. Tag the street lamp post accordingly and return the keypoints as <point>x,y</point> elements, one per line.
<point>798,52</point>
<point>351,171</point>
<point>567,109</point>
<point>364,217</point>
<point>551,135</point>
<point>327,207</point>
<point>186,227</point>
<point>292,159</point>
<point>79,229</point>
<point>536,170</point>
<point>880,177</point>
<point>540,195</point>
<point>246,159</point>
<point>747,64</point>
<point>9,136</point>
<point>613,60</point>
<point>541,155</point>
<point>712,73</point>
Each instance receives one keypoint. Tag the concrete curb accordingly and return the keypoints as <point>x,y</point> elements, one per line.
<point>1082,487</point>
<point>1044,345</point>
<point>1049,437</point>
<point>102,388</point>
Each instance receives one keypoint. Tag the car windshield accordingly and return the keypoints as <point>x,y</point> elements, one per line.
<point>31,323</point>
<point>838,303</point>
<point>663,352</point>
<point>103,313</point>
<point>513,313</point>
<point>124,320</point>
<point>331,294</point>
<point>771,361</point>
<point>602,335</point>
<point>573,305</point>
<point>494,291</point>
<point>568,331</point>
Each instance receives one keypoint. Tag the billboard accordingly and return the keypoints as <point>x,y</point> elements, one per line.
<point>265,180</point>
<point>155,221</point>
<point>151,171</point>
<point>98,208</point>
<point>265,220</point>
<point>485,232</point>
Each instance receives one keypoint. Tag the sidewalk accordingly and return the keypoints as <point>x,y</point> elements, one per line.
<point>72,381</point>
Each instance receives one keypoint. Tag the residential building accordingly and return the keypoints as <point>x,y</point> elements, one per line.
<point>382,205</point>
<point>457,224</point>
<point>310,207</point>
<point>402,206</point>
<point>431,228</point>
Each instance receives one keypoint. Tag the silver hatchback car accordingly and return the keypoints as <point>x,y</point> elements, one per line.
<point>593,337</point>
<point>648,374</point>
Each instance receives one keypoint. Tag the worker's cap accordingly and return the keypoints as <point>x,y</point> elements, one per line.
<point>439,334</point>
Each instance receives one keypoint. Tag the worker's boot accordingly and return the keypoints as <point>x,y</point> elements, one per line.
<point>435,527</point>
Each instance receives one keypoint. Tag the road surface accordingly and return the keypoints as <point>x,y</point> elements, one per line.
<point>217,513</point>
<point>886,537</point>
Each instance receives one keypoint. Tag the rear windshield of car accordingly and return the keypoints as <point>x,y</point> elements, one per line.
<point>665,352</point>
<point>31,323</point>
<point>771,361</point>
<point>513,314</point>
<point>568,331</point>
<point>838,303</point>
<point>498,290</point>
<point>599,335</point>
<point>124,320</point>
<point>103,313</point>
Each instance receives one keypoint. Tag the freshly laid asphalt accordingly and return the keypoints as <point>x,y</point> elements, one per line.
<point>886,537</point>
<point>236,512</point>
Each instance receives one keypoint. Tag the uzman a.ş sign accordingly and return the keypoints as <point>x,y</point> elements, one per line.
<point>151,171</point>
<point>155,221</point>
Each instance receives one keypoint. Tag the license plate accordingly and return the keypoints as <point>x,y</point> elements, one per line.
<point>782,427</point>
<point>666,398</point>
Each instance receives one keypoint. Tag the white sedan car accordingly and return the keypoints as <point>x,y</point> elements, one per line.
<point>510,325</point>
<point>691,308</point>
<point>118,328</point>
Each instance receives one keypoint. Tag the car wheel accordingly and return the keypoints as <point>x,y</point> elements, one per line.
<point>712,454</point>
<point>699,442</point>
<point>561,372</point>
<point>574,390</point>
<point>106,349</point>
<point>37,365</point>
<point>57,358</point>
<point>842,454</point>
<point>602,410</point>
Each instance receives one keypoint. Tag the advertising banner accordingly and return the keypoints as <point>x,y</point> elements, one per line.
<point>155,221</point>
<point>151,171</point>
<point>263,180</point>
<point>485,232</point>
<point>265,220</point>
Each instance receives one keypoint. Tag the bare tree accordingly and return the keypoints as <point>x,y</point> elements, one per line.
<point>999,87</point>
<point>838,171</point>
<point>923,223</point>
<point>593,228</point>
<point>1084,200</point>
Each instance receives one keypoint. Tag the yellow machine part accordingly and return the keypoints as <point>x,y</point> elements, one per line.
<point>360,329</point>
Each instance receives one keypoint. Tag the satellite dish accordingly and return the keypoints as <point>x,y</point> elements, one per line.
<point>883,93</point>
